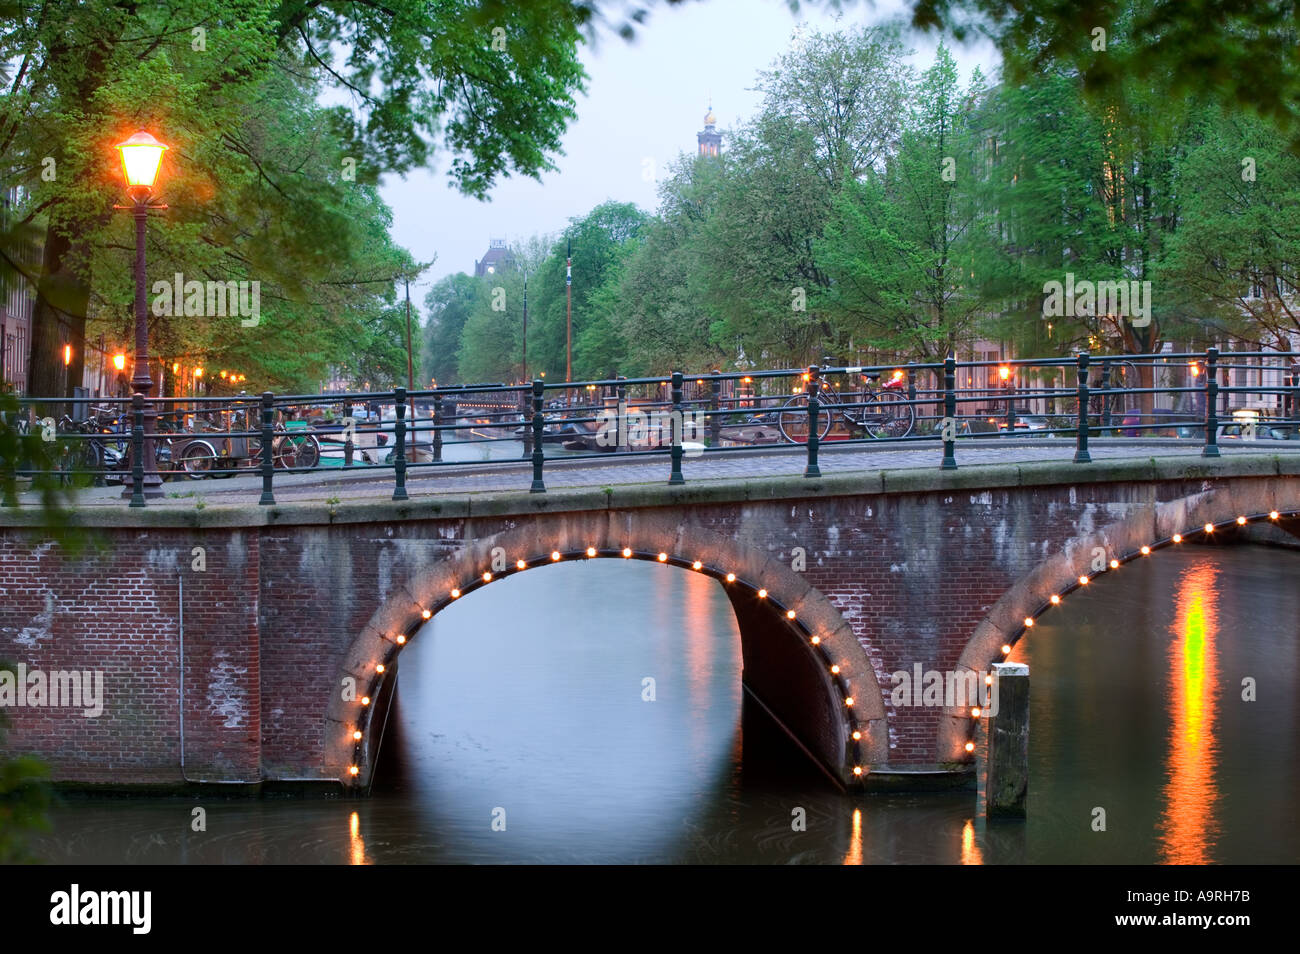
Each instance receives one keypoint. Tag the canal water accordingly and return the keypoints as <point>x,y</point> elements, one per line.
<point>526,730</point>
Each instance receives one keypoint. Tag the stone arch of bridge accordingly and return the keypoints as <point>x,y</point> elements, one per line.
<point>1222,512</point>
<point>800,658</point>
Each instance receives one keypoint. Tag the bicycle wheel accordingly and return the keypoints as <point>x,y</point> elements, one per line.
<point>197,459</point>
<point>306,453</point>
<point>792,420</point>
<point>888,414</point>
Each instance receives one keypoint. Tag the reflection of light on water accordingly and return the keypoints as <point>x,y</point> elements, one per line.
<point>854,856</point>
<point>356,844</point>
<point>970,851</point>
<point>1187,827</point>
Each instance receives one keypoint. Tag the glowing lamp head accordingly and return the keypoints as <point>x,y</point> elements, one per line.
<point>427,614</point>
<point>119,361</point>
<point>1006,649</point>
<point>816,640</point>
<point>697,565</point>
<point>1273,515</point>
<point>401,639</point>
<point>353,770</point>
<point>1055,599</point>
<point>487,577</point>
<point>1146,551</point>
<point>627,553</point>
<point>1114,564</point>
<point>762,594</point>
<point>731,578</point>
<point>835,669</point>
<point>357,735</point>
<point>857,736</point>
<point>1004,372</point>
<point>857,770</point>
<point>591,551</point>
<point>520,565</point>
<point>663,558</point>
<point>67,355</point>
<point>1241,521</point>
<point>1029,622</point>
<point>141,157</point>
<point>555,555</point>
<point>379,668</point>
<point>975,712</point>
<point>1083,581</point>
<point>1209,528</point>
<point>1178,538</point>
<point>970,746</point>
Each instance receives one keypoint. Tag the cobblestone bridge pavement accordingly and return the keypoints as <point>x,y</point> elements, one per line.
<point>489,477</point>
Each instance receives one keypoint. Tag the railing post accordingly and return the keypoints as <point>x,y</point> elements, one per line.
<point>621,423</point>
<point>349,428</point>
<point>399,450</point>
<point>948,426</point>
<point>268,449</point>
<point>814,406</point>
<point>137,450</point>
<point>437,423</point>
<point>676,428</point>
<point>911,384</point>
<point>1211,448</point>
<point>539,424</point>
<point>715,422</point>
<point>1105,396</point>
<point>1081,455</point>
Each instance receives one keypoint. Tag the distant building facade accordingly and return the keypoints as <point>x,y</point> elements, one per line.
<point>498,258</point>
<point>17,298</point>
<point>709,139</point>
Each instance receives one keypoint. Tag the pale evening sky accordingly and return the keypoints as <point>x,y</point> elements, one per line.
<point>645,101</point>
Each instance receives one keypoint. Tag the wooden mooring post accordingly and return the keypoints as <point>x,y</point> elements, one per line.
<point>1007,782</point>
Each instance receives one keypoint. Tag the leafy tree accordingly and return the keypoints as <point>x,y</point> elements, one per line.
<point>901,244</point>
<point>1231,264</point>
<point>448,306</point>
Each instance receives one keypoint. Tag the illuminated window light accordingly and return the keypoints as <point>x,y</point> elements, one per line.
<point>1006,649</point>
<point>401,639</point>
<point>762,594</point>
<point>627,552</point>
<point>975,712</point>
<point>1209,528</point>
<point>789,614</point>
<point>365,700</point>
<point>1029,621</point>
<point>857,770</point>
<point>848,701</point>
<point>1178,538</point>
<point>970,746</point>
<point>1241,521</point>
<point>1114,564</point>
<point>487,577</point>
<point>357,735</point>
<point>427,614</point>
<point>731,578</point>
<point>520,565</point>
<point>1273,515</point>
<point>591,551</point>
<point>379,668</point>
<point>1083,581</point>
<point>835,669</point>
<point>1055,599</point>
<point>663,558</point>
<point>697,565</point>
<point>455,594</point>
<point>1146,551</point>
<point>353,770</point>
<point>816,640</point>
<point>857,736</point>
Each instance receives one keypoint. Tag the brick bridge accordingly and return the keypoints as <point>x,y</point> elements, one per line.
<point>281,610</point>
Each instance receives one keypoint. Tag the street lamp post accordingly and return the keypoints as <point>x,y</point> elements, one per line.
<point>141,157</point>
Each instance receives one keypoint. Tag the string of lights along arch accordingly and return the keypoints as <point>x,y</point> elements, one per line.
<point>1205,532</point>
<point>378,669</point>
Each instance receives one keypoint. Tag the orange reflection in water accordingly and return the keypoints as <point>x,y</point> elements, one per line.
<point>1187,827</point>
<point>854,855</point>
<point>970,849</point>
<point>356,844</point>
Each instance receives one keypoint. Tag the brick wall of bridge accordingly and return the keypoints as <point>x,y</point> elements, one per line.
<point>270,621</point>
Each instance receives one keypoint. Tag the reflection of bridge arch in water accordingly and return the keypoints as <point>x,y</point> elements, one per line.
<point>801,659</point>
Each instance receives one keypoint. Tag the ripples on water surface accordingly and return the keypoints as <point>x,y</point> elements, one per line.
<point>527,696</point>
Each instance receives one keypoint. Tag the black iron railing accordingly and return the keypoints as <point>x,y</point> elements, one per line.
<point>1200,397</point>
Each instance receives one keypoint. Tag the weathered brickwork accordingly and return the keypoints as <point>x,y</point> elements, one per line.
<point>287,604</point>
